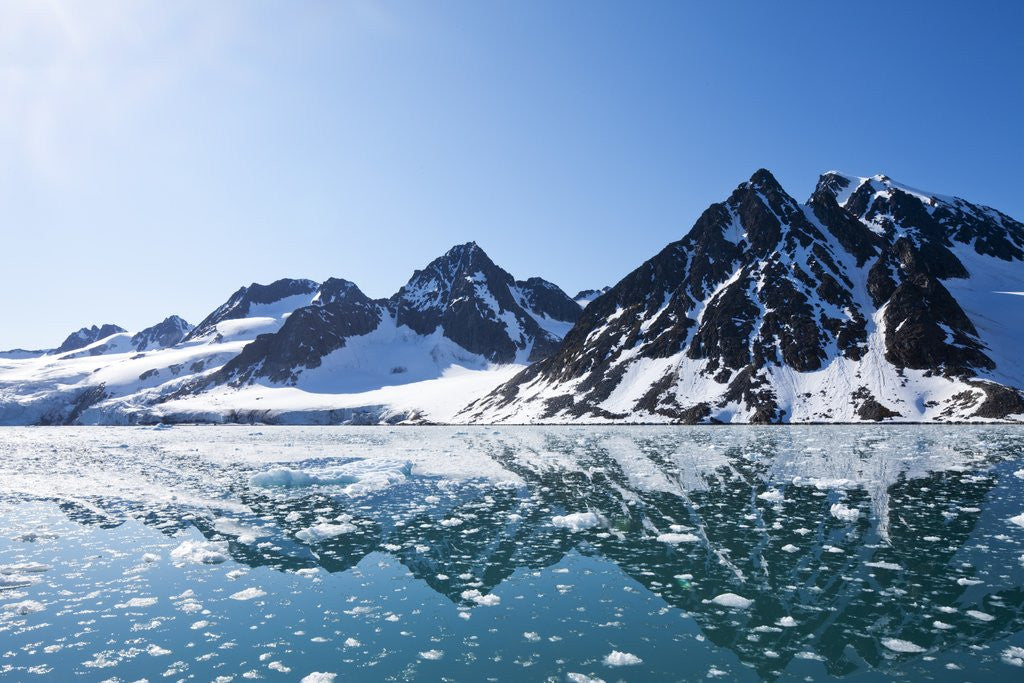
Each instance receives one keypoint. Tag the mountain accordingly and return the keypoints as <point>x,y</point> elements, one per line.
<point>168,332</point>
<point>86,336</point>
<point>460,310</point>
<point>264,304</point>
<point>585,296</point>
<point>870,301</point>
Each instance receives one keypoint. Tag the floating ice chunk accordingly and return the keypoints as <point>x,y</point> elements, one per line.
<point>980,616</point>
<point>844,513</point>
<point>578,521</point>
<point>616,658</point>
<point>156,651</point>
<point>476,596</point>
<point>287,477</point>
<point>786,622</point>
<point>574,677</point>
<point>1018,520</point>
<point>451,521</point>
<point>432,654</point>
<point>292,516</point>
<point>677,538</point>
<point>150,557</point>
<point>884,565</point>
<point>319,677</point>
<point>731,600</point>
<point>352,642</point>
<point>323,531</point>
<point>24,607</point>
<point>33,536</point>
<point>942,626</point>
<point>1014,656</point>
<point>201,552</point>
<point>16,580</point>
<point>24,568</point>
<point>967,582</point>
<point>201,624</point>
<point>531,636</point>
<point>790,548</point>
<point>772,496</point>
<point>897,645</point>
<point>137,602</point>
<point>278,666</point>
<point>248,594</point>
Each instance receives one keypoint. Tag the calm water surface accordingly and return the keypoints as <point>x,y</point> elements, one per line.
<point>548,554</point>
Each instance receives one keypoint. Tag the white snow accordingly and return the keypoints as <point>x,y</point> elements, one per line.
<point>677,538</point>
<point>844,513</point>
<point>323,531</point>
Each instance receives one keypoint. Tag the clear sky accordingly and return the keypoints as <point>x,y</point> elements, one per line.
<point>154,156</point>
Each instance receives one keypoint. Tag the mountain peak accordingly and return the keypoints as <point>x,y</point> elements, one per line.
<point>88,335</point>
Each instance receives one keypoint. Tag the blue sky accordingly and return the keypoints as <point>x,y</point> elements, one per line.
<point>155,156</point>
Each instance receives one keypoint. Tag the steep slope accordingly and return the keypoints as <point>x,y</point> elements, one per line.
<point>585,296</point>
<point>482,308</point>
<point>772,311</point>
<point>172,330</point>
<point>87,336</point>
<point>457,323</point>
<point>264,306</point>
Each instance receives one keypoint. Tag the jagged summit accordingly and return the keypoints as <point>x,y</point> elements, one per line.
<point>172,330</point>
<point>872,300</point>
<point>848,307</point>
<point>286,293</point>
<point>86,336</point>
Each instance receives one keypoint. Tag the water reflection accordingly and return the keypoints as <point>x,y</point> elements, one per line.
<point>859,553</point>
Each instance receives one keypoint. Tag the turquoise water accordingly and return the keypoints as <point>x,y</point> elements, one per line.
<point>731,554</point>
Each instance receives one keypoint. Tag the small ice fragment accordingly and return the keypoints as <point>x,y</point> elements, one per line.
<point>1018,520</point>
<point>790,548</point>
<point>787,622</point>
<point>352,642</point>
<point>320,532</point>
<point>531,636</point>
<point>432,654</point>
<point>884,565</point>
<point>24,607</point>
<point>574,677</point>
<point>616,658</point>
<point>201,552</point>
<point>319,677</point>
<point>731,600</point>
<point>248,594</point>
<point>156,651</point>
<point>844,513</point>
<point>137,602</point>
<point>677,538</point>
<point>1013,655</point>
<point>897,645</point>
<point>578,521</point>
<point>772,496</point>
<point>488,600</point>
<point>150,557</point>
<point>980,616</point>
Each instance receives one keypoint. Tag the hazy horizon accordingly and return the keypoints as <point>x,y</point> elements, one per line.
<point>159,156</point>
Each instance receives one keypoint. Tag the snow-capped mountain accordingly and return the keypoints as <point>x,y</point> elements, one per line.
<point>585,296</point>
<point>170,331</point>
<point>86,336</point>
<point>301,351</point>
<point>870,301</point>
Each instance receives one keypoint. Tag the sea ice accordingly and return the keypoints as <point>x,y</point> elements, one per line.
<point>578,521</point>
<point>897,645</point>
<point>731,600</point>
<point>616,658</point>
<point>201,552</point>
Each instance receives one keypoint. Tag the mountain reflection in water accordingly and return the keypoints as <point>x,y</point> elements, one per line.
<point>848,542</point>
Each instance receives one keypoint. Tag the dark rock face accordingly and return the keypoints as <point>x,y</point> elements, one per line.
<point>169,332</point>
<point>463,294</point>
<point>339,310</point>
<point>762,286</point>
<point>239,304</point>
<point>585,296</point>
<point>481,307</point>
<point>86,336</point>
